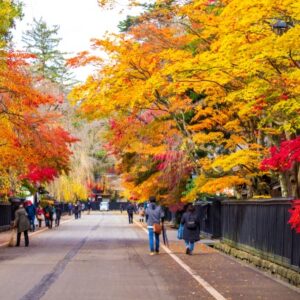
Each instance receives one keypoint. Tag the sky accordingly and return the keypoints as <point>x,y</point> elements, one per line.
<point>79,21</point>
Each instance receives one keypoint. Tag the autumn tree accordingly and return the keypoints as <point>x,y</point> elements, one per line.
<point>227,86</point>
<point>33,146</point>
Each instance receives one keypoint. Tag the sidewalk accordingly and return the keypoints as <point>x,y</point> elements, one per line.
<point>232,278</point>
<point>5,235</point>
<point>178,247</point>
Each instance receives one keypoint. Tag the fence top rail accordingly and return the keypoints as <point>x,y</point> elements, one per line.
<point>5,204</point>
<point>286,201</point>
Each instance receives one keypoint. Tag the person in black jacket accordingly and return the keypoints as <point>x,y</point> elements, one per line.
<point>130,211</point>
<point>191,230</point>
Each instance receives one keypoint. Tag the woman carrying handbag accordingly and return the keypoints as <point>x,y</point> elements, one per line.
<point>22,224</point>
<point>154,218</point>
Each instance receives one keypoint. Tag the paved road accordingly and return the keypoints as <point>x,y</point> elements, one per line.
<point>102,257</point>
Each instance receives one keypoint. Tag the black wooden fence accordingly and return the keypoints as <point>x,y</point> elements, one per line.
<point>262,226</point>
<point>5,216</point>
<point>209,212</point>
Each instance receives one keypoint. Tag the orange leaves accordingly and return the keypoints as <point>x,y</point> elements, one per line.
<point>82,59</point>
<point>208,79</point>
<point>216,185</point>
<point>31,135</point>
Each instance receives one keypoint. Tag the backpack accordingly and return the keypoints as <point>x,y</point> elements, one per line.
<point>192,222</point>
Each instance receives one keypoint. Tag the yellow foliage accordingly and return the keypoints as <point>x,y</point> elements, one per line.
<point>216,79</point>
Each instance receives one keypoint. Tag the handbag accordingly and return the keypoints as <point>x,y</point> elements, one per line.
<point>180,232</point>
<point>157,228</point>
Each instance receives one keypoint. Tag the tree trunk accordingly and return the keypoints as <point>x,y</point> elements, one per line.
<point>294,181</point>
<point>283,185</point>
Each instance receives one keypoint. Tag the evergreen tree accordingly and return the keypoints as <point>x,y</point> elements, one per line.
<point>43,42</point>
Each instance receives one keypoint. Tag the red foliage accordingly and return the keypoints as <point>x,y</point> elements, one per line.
<point>282,158</point>
<point>295,216</point>
<point>167,158</point>
<point>39,174</point>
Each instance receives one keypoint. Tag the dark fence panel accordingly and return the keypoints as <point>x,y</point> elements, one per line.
<point>169,216</point>
<point>210,216</point>
<point>118,205</point>
<point>262,225</point>
<point>5,216</point>
<point>95,205</point>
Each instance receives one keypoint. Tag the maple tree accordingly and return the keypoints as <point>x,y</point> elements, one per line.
<point>222,88</point>
<point>30,138</point>
<point>33,146</point>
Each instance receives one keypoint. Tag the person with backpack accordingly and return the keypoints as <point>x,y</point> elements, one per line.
<point>154,219</point>
<point>191,229</point>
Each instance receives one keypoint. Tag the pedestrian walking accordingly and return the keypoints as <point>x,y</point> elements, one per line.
<point>22,224</point>
<point>89,205</point>
<point>79,209</point>
<point>130,211</point>
<point>121,208</point>
<point>191,228</point>
<point>39,215</point>
<point>70,209</point>
<point>31,211</point>
<point>49,216</point>
<point>141,214</point>
<point>154,219</point>
<point>76,209</point>
<point>58,215</point>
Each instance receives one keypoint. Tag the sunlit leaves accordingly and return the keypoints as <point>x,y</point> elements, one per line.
<point>216,79</point>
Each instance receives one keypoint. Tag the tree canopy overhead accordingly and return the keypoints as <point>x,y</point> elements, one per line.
<point>202,87</point>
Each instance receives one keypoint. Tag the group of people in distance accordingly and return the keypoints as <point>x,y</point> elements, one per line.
<point>189,228</point>
<point>25,216</point>
<point>78,207</point>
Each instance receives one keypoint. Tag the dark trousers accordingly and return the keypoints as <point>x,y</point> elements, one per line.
<point>32,225</point>
<point>48,223</point>
<point>130,218</point>
<point>57,220</point>
<point>76,215</point>
<point>25,236</point>
<point>40,222</point>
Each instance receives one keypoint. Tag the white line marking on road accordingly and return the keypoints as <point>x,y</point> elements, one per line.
<point>198,278</point>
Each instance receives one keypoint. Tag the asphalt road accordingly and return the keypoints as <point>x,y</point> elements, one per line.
<point>101,256</point>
